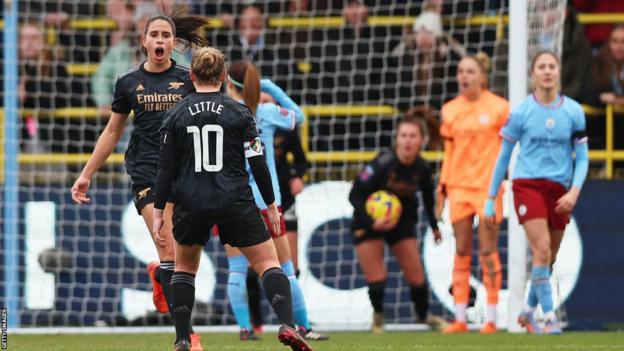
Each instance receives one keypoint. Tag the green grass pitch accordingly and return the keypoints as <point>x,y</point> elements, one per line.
<point>339,341</point>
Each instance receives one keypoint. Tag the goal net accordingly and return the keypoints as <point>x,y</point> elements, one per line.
<point>354,69</point>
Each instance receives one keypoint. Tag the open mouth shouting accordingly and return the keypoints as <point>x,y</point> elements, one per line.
<point>159,53</point>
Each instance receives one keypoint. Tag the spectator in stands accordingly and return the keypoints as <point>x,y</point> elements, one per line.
<point>251,28</point>
<point>598,33</point>
<point>83,46</point>
<point>576,53</point>
<point>470,126</point>
<point>347,62</point>
<point>122,12</point>
<point>355,14</point>
<point>251,41</point>
<point>607,74</point>
<point>54,13</point>
<point>298,7</point>
<point>303,7</point>
<point>424,64</point>
<point>44,87</point>
<point>166,6</point>
<point>608,69</point>
<point>223,10</point>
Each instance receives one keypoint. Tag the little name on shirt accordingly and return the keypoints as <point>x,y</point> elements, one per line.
<point>205,106</point>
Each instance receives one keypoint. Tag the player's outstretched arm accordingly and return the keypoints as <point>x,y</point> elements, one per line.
<point>103,148</point>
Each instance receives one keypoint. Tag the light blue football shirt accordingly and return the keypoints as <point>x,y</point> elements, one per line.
<point>270,117</point>
<point>547,135</point>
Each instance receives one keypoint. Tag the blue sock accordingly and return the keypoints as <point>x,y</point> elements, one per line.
<point>532,298</point>
<point>299,308</point>
<point>540,279</point>
<point>237,290</point>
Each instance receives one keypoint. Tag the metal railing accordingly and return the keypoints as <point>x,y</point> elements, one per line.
<point>608,155</point>
<point>107,24</point>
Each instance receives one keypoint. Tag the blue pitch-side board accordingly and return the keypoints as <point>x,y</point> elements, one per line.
<point>103,265</point>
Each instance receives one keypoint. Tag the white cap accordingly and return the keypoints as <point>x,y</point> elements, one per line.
<point>429,21</point>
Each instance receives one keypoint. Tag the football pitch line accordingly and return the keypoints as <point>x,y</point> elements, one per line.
<point>339,341</point>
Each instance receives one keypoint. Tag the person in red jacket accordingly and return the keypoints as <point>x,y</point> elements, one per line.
<point>598,33</point>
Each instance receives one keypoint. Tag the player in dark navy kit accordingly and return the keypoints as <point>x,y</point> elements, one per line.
<point>290,178</point>
<point>402,172</point>
<point>148,90</point>
<point>290,175</point>
<point>205,141</point>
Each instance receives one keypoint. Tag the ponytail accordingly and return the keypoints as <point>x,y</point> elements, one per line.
<point>246,78</point>
<point>251,88</point>
<point>191,29</point>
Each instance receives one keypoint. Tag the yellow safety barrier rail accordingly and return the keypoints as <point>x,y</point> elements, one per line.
<point>104,23</point>
<point>608,155</point>
<point>336,22</point>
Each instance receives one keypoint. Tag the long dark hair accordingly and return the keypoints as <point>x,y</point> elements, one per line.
<point>190,28</point>
<point>246,78</point>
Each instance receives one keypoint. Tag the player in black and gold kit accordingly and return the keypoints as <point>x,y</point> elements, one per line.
<point>205,141</point>
<point>402,172</point>
<point>148,91</point>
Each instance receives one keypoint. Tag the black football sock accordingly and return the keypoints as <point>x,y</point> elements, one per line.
<point>253,297</point>
<point>376,295</point>
<point>166,272</point>
<point>183,293</point>
<point>277,290</point>
<point>420,297</point>
<point>157,274</point>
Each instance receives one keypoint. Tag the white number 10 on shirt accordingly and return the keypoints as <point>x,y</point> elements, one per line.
<point>203,146</point>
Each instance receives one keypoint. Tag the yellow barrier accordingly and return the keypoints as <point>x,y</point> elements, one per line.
<point>609,141</point>
<point>600,18</point>
<point>338,21</point>
<point>64,158</point>
<point>325,111</point>
<point>360,156</point>
<point>85,69</point>
<point>608,155</point>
